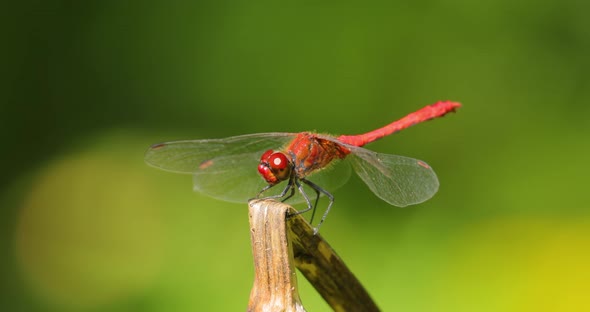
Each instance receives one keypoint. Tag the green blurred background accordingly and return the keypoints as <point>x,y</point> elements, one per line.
<point>88,86</point>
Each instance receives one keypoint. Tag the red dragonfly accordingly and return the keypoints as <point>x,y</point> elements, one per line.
<point>226,168</point>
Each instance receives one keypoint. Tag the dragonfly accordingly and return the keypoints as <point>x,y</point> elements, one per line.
<point>237,168</point>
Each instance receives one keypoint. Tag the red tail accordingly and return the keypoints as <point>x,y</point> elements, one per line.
<point>435,110</point>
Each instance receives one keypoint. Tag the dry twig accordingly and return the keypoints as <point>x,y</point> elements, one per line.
<point>279,243</point>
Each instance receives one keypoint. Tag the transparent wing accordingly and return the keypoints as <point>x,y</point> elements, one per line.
<point>240,185</point>
<point>232,178</point>
<point>400,181</point>
<point>193,155</point>
<point>225,169</point>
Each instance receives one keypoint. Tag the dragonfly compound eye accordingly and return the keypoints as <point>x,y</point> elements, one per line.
<point>279,164</point>
<point>278,161</point>
<point>266,154</point>
<point>274,167</point>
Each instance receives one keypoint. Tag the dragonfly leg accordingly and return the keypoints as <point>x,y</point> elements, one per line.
<point>282,194</point>
<point>315,205</point>
<point>302,191</point>
<point>318,189</point>
<point>264,190</point>
<point>290,195</point>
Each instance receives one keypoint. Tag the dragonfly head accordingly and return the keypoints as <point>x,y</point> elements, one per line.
<point>274,167</point>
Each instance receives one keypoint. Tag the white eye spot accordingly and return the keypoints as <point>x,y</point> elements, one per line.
<point>277,161</point>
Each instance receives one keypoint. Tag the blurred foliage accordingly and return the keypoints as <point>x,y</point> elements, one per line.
<point>85,225</point>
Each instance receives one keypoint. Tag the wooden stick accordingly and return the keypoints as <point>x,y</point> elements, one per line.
<point>293,238</point>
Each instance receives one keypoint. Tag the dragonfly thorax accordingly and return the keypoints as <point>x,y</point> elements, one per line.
<point>274,167</point>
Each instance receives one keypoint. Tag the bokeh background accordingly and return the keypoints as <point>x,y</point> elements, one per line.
<point>86,87</point>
